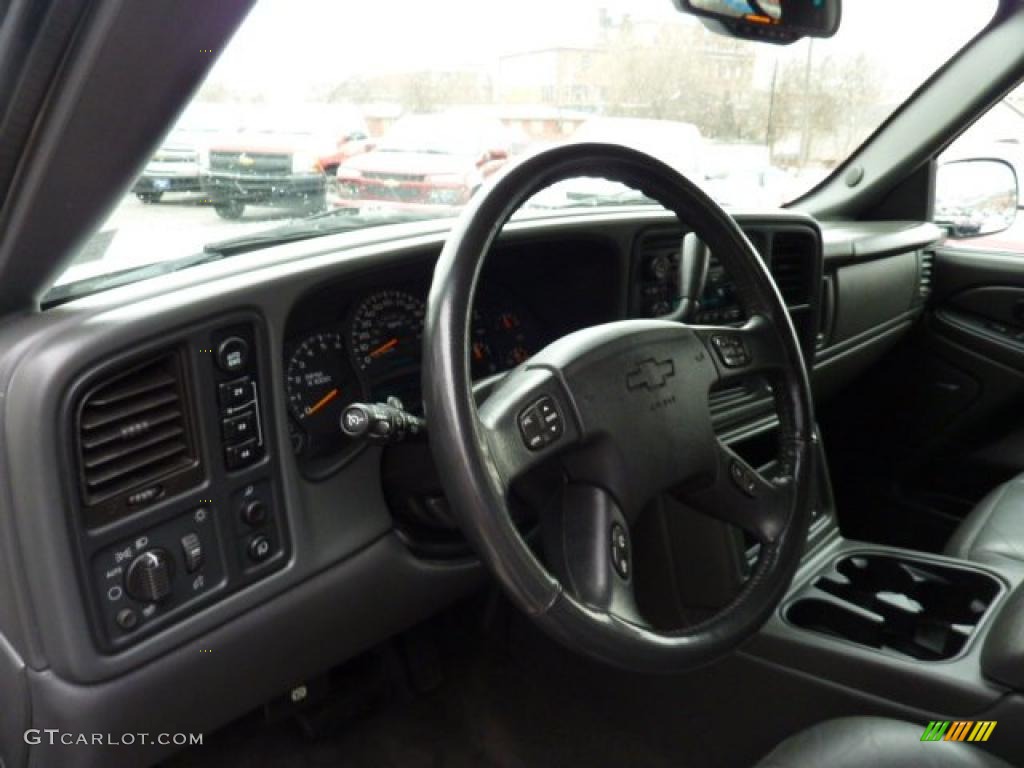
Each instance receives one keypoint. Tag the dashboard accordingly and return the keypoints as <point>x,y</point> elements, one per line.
<point>362,341</point>
<point>233,515</point>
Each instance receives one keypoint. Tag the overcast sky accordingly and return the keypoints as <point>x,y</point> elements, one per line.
<point>316,41</point>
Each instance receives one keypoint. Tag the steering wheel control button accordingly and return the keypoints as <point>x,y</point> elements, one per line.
<point>620,550</point>
<point>149,576</point>
<point>260,549</point>
<point>531,429</point>
<point>192,551</point>
<point>241,455</point>
<point>233,355</point>
<point>127,619</point>
<point>254,513</point>
<point>540,424</point>
<point>236,392</point>
<point>730,350</point>
<point>743,478</point>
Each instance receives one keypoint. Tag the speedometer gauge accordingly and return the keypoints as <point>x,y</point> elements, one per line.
<point>320,383</point>
<point>387,333</point>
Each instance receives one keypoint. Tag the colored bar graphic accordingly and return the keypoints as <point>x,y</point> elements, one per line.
<point>958,730</point>
<point>935,731</point>
<point>982,730</point>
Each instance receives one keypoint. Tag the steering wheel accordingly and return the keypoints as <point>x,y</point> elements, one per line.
<point>623,408</point>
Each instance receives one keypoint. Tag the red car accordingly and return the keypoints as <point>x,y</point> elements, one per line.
<point>425,162</point>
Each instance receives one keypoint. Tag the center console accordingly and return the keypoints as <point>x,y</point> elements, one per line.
<point>900,633</point>
<point>901,605</point>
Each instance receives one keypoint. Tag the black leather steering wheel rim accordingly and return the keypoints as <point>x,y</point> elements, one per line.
<point>471,459</point>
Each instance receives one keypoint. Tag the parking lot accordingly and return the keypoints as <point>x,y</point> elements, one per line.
<point>179,225</point>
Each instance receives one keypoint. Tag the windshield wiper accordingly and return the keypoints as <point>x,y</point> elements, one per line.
<point>318,225</point>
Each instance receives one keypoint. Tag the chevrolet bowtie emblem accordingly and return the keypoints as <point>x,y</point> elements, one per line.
<point>650,374</point>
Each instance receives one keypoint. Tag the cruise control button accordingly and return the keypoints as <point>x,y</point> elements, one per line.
<point>531,429</point>
<point>743,478</point>
<point>233,354</point>
<point>241,455</point>
<point>730,350</point>
<point>620,550</point>
<point>240,427</point>
<point>235,392</point>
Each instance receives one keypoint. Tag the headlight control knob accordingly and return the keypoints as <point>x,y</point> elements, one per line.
<point>149,576</point>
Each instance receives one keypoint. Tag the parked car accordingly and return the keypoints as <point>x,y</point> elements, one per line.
<point>175,166</point>
<point>282,157</point>
<point>425,162</point>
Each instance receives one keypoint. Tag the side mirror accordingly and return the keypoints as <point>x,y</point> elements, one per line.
<point>975,197</point>
<point>768,21</point>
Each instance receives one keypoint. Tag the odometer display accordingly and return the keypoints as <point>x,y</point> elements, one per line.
<point>320,383</point>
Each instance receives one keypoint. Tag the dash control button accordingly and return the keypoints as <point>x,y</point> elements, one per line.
<point>192,551</point>
<point>233,354</point>
<point>241,455</point>
<point>259,549</point>
<point>235,392</point>
<point>127,619</point>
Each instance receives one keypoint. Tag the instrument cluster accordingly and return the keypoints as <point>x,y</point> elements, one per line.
<point>373,351</point>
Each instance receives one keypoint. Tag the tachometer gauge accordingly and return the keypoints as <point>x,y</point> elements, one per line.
<point>320,383</point>
<point>387,333</point>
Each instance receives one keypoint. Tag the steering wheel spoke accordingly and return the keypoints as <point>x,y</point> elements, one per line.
<point>527,419</point>
<point>587,543</point>
<point>741,495</point>
<point>741,352</point>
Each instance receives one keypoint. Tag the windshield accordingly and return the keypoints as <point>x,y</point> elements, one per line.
<point>415,105</point>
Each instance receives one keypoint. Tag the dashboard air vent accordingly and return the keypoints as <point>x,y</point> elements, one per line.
<point>134,430</point>
<point>792,266</point>
<point>924,280</point>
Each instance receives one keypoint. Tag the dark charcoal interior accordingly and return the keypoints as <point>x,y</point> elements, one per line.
<point>909,606</point>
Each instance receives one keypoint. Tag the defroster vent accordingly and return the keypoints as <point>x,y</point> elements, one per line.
<point>135,437</point>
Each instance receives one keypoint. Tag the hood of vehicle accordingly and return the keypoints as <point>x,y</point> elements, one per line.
<point>266,142</point>
<point>410,163</point>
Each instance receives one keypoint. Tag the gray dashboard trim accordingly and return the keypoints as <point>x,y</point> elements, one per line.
<point>852,241</point>
<point>280,643</point>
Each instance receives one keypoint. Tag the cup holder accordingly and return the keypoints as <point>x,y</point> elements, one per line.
<point>915,608</point>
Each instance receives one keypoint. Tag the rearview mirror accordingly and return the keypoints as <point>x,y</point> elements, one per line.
<point>770,21</point>
<point>975,197</point>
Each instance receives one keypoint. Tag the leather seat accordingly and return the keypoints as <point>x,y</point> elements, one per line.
<point>993,532</point>
<point>855,742</point>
